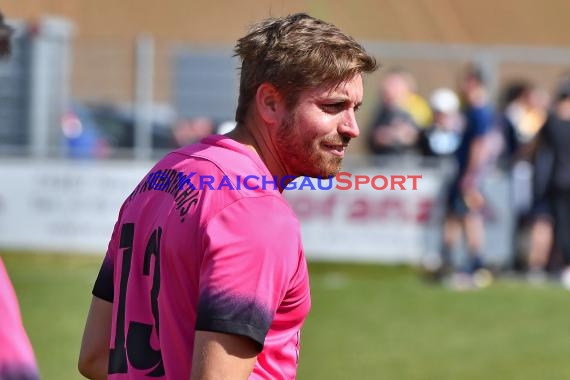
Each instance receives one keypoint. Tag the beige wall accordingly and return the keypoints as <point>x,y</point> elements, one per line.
<point>527,22</point>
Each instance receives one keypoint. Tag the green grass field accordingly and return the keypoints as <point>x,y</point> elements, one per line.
<point>367,322</point>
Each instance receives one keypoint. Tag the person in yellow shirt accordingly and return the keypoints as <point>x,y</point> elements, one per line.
<point>400,117</point>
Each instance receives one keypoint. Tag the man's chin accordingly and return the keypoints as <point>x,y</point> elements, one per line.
<point>322,169</point>
<point>326,172</point>
<point>331,170</point>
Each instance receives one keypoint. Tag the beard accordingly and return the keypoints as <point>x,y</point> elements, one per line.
<point>303,152</point>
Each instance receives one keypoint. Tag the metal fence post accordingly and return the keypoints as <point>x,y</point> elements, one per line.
<point>49,82</point>
<point>144,87</point>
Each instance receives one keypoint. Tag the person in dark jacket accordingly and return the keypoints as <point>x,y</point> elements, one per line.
<point>552,179</point>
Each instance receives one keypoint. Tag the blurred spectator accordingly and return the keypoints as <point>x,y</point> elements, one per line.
<point>552,179</point>
<point>524,113</point>
<point>442,137</point>
<point>5,35</point>
<point>413,103</point>
<point>394,129</point>
<point>541,242</point>
<point>465,199</point>
<point>189,131</point>
<point>17,360</point>
<point>82,138</point>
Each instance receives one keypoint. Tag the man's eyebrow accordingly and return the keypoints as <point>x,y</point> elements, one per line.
<point>347,101</point>
<point>339,99</point>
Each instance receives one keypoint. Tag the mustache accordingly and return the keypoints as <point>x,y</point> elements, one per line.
<point>339,140</point>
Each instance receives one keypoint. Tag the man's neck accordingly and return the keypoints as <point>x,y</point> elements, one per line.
<point>260,143</point>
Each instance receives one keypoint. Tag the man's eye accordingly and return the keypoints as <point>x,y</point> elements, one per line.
<point>333,108</point>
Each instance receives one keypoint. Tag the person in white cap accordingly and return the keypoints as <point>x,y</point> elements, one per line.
<point>444,135</point>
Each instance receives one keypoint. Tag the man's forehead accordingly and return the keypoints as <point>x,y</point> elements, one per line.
<point>348,89</point>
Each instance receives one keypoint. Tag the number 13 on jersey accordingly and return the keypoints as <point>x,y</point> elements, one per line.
<point>135,348</point>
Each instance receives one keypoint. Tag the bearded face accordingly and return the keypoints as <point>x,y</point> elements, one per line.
<point>313,137</point>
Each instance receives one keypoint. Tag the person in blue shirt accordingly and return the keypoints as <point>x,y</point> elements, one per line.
<point>465,200</point>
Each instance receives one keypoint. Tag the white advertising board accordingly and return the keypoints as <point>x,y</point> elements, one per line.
<point>71,206</point>
<point>66,206</point>
<point>368,224</point>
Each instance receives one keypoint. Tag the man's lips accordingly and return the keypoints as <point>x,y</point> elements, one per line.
<point>336,149</point>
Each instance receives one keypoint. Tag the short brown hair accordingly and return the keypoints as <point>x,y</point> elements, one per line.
<point>295,53</point>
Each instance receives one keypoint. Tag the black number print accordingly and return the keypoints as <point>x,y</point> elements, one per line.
<point>135,347</point>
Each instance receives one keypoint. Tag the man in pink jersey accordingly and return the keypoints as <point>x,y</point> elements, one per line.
<point>17,361</point>
<point>205,276</point>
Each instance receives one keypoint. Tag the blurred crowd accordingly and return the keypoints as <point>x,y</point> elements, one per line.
<point>525,133</point>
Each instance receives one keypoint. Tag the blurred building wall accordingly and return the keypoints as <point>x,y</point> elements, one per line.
<point>526,22</point>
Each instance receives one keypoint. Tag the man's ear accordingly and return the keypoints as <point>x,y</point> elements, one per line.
<point>270,104</point>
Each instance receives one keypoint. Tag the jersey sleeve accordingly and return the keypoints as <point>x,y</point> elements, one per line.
<point>103,287</point>
<point>251,253</point>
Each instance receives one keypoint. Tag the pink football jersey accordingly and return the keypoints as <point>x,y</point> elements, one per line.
<point>17,359</point>
<point>197,248</point>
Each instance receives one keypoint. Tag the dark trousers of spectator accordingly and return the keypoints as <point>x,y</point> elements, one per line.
<point>561,211</point>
